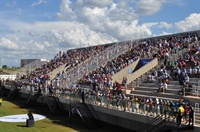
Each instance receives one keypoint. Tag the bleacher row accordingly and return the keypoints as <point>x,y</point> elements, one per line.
<point>99,63</point>
<point>171,80</point>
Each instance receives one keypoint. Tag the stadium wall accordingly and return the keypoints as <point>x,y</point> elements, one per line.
<point>119,118</point>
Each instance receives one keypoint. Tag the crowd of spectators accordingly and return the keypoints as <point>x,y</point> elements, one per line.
<point>70,59</point>
<point>181,70</point>
<point>101,78</point>
<point>160,48</point>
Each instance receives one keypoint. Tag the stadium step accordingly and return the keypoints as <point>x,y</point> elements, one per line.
<point>169,90</point>
<point>197,118</point>
<point>152,93</point>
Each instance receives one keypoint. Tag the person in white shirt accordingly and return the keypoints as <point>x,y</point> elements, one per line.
<point>187,79</point>
<point>190,72</point>
<point>164,87</point>
<point>160,87</point>
<point>194,72</point>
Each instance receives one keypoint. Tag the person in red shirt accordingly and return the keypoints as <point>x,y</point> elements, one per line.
<point>183,63</point>
<point>187,111</point>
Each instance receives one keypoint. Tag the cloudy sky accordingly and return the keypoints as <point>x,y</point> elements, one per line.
<point>41,28</point>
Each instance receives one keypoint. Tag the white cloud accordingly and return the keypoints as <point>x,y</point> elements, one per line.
<point>9,42</point>
<point>66,11</point>
<point>98,3</point>
<point>164,33</point>
<point>165,25</point>
<point>149,7</point>
<point>38,3</point>
<point>192,22</point>
<point>121,11</point>
<point>33,33</point>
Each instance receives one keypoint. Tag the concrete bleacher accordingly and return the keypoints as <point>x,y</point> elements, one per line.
<point>143,89</point>
<point>148,89</point>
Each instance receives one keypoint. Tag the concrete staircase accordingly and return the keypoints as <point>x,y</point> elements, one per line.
<point>54,73</point>
<point>197,118</point>
<point>148,90</point>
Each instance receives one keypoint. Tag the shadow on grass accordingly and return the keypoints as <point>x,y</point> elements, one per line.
<point>21,126</point>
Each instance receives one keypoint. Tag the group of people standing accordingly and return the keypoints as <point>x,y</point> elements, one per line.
<point>185,113</point>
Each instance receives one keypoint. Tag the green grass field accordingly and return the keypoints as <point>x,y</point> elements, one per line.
<point>50,124</point>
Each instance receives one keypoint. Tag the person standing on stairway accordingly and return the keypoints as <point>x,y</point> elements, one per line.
<point>180,115</point>
<point>191,115</point>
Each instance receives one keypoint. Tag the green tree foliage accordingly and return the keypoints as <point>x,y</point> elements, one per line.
<point>4,66</point>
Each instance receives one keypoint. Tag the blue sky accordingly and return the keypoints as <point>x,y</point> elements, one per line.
<point>41,28</point>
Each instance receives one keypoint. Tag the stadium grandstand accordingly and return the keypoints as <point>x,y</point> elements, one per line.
<point>147,76</point>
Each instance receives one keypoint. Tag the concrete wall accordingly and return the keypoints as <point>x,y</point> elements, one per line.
<point>124,72</point>
<point>142,70</point>
<point>126,120</point>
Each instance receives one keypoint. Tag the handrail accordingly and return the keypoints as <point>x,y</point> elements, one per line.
<point>196,107</point>
<point>198,88</point>
<point>105,102</point>
<point>94,62</point>
<point>190,92</point>
<point>149,125</point>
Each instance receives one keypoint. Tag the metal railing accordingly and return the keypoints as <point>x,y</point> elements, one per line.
<point>191,91</point>
<point>92,63</point>
<point>115,103</point>
<point>97,99</point>
<point>196,110</point>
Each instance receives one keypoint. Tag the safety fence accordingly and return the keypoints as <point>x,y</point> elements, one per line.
<point>121,103</point>
<point>196,113</point>
<point>194,91</point>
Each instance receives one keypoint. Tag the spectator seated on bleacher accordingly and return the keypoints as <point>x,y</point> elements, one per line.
<point>162,87</point>
<point>150,78</point>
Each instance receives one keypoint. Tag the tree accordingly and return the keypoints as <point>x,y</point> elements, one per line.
<point>4,66</point>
